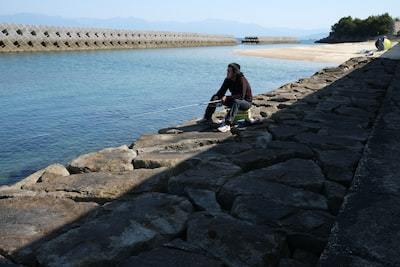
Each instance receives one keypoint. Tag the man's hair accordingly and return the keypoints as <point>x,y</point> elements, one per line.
<point>235,67</point>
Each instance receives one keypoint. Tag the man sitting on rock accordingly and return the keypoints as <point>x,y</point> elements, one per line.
<point>240,99</point>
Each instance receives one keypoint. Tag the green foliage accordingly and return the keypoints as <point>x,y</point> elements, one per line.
<point>369,27</point>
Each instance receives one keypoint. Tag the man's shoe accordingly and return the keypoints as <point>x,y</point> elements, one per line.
<point>224,128</point>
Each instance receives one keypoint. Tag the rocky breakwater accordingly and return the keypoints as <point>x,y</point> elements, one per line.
<point>33,38</point>
<point>267,195</point>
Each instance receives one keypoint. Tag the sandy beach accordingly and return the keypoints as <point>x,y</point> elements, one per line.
<point>333,53</point>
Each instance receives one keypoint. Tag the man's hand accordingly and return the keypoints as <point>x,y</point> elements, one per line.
<point>223,99</point>
<point>214,98</point>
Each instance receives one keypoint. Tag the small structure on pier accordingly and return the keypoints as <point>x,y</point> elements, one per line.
<point>269,40</point>
<point>250,40</point>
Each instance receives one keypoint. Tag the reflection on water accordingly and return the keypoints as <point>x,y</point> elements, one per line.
<point>55,106</point>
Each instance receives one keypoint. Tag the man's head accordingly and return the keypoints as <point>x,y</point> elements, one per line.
<point>233,70</point>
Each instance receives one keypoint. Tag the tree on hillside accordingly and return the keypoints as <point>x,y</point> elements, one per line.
<point>357,28</point>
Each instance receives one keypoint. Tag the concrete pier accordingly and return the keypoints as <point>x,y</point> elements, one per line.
<point>30,38</point>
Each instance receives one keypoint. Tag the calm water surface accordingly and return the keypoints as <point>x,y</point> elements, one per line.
<point>56,106</point>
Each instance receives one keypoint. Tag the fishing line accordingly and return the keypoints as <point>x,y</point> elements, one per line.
<point>179,107</point>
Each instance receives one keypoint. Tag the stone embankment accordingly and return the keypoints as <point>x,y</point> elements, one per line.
<point>30,38</point>
<point>267,195</point>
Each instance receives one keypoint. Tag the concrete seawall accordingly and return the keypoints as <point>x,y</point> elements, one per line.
<point>30,38</point>
<point>267,195</point>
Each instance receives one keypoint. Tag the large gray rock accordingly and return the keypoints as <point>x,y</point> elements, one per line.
<point>257,187</point>
<point>327,142</point>
<point>285,132</point>
<point>186,141</point>
<point>209,175</point>
<point>177,160</point>
<point>235,242</point>
<point>339,165</point>
<point>355,133</point>
<point>25,220</point>
<point>102,186</point>
<point>189,126</point>
<point>306,229</point>
<point>259,138</point>
<point>298,173</point>
<point>167,257</point>
<point>275,152</point>
<point>114,159</point>
<point>260,210</point>
<point>49,172</point>
<point>203,199</point>
<point>120,229</point>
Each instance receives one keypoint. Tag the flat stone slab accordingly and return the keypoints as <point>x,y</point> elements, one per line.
<point>270,191</point>
<point>189,126</point>
<point>101,186</point>
<point>358,134</point>
<point>275,152</point>
<point>308,229</point>
<point>172,160</point>
<point>298,173</point>
<point>284,132</point>
<point>115,159</point>
<point>327,142</point>
<point>203,199</point>
<point>250,245</point>
<point>118,230</point>
<point>339,165</point>
<point>209,175</point>
<point>305,229</point>
<point>186,141</point>
<point>26,220</point>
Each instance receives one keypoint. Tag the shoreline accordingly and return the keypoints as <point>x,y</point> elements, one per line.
<point>326,53</point>
<point>177,195</point>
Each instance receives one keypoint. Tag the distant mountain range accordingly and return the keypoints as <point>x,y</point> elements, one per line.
<point>211,26</point>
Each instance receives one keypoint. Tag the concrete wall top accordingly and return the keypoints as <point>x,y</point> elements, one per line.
<point>23,29</point>
<point>23,37</point>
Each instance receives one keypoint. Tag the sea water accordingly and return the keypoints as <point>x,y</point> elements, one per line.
<point>56,106</point>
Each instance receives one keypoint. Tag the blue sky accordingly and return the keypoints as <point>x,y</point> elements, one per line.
<point>305,14</point>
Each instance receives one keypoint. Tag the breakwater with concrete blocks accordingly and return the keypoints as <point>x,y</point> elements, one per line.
<point>265,195</point>
<point>30,38</point>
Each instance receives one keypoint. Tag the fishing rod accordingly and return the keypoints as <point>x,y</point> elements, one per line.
<point>179,107</point>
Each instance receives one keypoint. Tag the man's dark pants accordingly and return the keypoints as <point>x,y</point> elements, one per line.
<point>234,104</point>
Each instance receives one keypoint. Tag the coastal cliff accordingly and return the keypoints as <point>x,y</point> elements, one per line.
<point>266,195</point>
